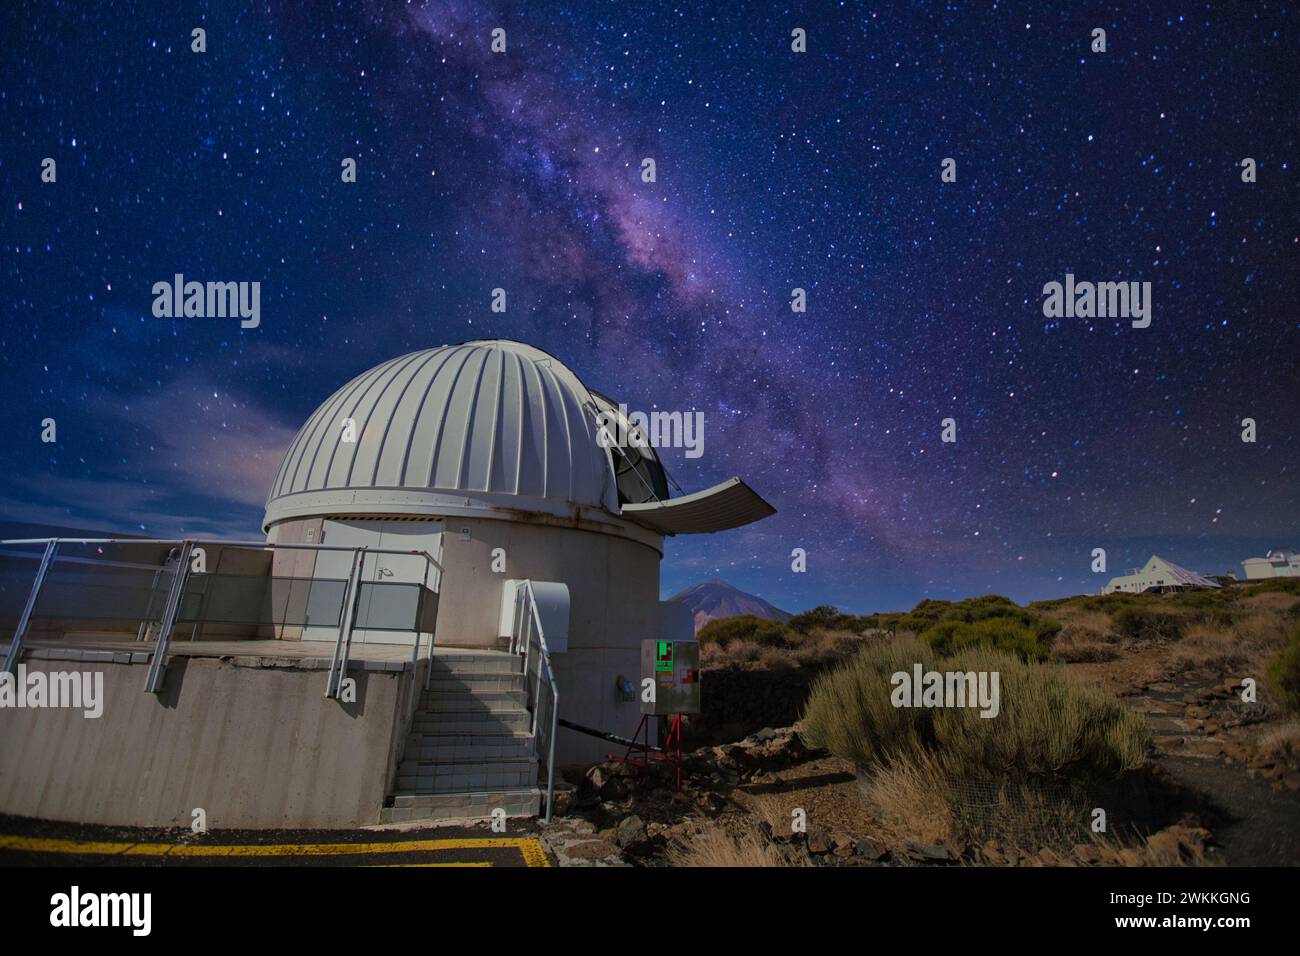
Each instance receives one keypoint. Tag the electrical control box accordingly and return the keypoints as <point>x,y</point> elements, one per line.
<point>673,667</point>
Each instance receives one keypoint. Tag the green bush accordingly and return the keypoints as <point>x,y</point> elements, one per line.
<point>924,616</point>
<point>830,618</point>
<point>744,627</point>
<point>1198,599</point>
<point>1110,604</point>
<point>849,711</point>
<point>991,620</point>
<point>888,620</point>
<point>1049,723</point>
<point>1285,585</point>
<point>931,612</point>
<point>1283,672</point>
<point>1001,633</point>
<point>1148,623</point>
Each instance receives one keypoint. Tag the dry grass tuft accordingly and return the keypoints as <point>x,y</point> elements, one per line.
<point>1209,646</point>
<point>771,810</point>
<point>1086,636</point>
<point>713,846</point>
<point>1263,633</point>
<point>1071,649</point>
<point>1085,623</point>
<point>1281,742</point>
<point>1275,602</point>
<point>909,796</point>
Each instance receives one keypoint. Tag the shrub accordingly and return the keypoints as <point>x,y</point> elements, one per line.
<point>744,627</point>
<point>1286,585</point>
<point>1048,724</point>
<point>888,620</point>
<point>831,619</point>
<point>1284,672</point>
<point>930,612</point>
<point>849,712</point>
<point>1073,649</point>
<point>1148,623</point>
<point>1002,633</point>
<point>1110,604</point>
<point>1199,599</point>
<point>989,620</point>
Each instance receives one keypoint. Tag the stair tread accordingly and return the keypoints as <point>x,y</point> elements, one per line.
<point>450,760</point>
<point>511,734</point>
<point>528,791</point>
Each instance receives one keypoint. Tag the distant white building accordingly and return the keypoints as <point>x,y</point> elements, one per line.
<point>1158,575</point>
<point>1277,563</point>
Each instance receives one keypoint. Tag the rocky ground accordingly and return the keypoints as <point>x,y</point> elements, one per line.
<point>1212,749</point>
<point>1220,794</point>
<point>627,816</point>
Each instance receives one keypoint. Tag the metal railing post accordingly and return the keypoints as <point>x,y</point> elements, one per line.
<point>153,678</point>
<point>142,632</point>
<point>527,617</point>
<point>550,756</point>
<point>526,636</point>
<point>352,618</point>
<point>172,609</point>
<point>428,671</point>
<point>20,632</point>
<point>335,680</point>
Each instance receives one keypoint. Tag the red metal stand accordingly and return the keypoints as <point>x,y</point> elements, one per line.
<point>671,750</point>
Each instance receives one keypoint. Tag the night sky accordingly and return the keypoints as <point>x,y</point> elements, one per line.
<point>775,170</point>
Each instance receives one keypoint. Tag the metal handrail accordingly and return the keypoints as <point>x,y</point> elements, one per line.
<point>527,615</point>
<point>153,678</point>
<point>226,543</point>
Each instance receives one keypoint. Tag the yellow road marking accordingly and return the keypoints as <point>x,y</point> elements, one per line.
<point>395,866</point>
<point>529,848</point>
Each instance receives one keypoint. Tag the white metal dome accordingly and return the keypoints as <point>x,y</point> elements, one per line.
<point>489,424</point>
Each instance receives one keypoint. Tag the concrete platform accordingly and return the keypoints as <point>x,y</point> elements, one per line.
<point>307,655</point>
<point>240,729</point>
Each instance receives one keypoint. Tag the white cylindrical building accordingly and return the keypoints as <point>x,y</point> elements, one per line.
<point>487,456</point>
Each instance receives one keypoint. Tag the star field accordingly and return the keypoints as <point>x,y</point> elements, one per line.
<point>775,170</point>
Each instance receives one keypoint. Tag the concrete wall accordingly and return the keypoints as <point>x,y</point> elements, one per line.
<point>614,592</point>
<point>614,603</point>
<point>254,746</point>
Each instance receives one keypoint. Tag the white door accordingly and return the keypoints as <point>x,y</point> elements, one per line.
<point>405,569</point>
<point>382,604</point>
<point>337,565</point>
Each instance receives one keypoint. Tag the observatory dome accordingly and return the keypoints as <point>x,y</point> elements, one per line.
<point>483,425</point>
<point>494,429</point>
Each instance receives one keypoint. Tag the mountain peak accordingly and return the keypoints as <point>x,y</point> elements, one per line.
<point>716,598</point>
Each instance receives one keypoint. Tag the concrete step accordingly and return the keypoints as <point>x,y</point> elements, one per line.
<point>493,701</point>
<point>429,777</point>
<point>473,722</point>
<point>467,805</point>
<point>474,683</point>
<point>466,747</point>
<point>447,665</point>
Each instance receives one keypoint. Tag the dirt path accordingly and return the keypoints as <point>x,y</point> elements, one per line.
<point>1201,745</point>
<point>1254,824</point>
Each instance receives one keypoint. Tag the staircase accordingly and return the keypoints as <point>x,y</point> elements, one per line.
<point>471,749</point>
